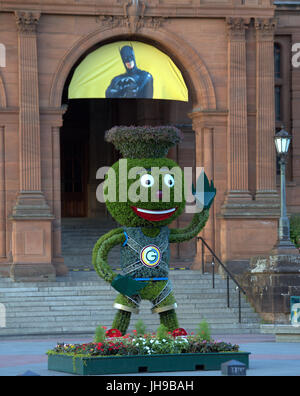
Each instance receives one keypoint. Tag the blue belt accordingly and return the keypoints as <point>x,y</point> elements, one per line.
<point>150,279</point>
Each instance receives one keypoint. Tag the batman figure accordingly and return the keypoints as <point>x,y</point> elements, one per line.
<point>134,83</point>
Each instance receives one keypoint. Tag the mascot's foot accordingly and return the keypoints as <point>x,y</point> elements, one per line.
<point>121,321</point>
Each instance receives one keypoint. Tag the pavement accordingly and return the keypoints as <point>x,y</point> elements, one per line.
<point>268,358</point>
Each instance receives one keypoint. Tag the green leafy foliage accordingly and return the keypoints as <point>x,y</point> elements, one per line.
<point>122,211</point>
<point>162,332</point>
<point>143,141</point>
<point>203,331</point>
<point>99,334</point>
<point>140,328</point>
<point>295,229</point>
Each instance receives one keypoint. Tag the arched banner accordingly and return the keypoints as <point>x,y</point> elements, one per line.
<point>128,69</point>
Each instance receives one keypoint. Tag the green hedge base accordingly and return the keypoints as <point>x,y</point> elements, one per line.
<point>143,364</point>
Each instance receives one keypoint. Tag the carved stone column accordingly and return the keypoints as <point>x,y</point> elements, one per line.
<point>203,125</point>
<point>31,238</point>
<point>265,119</point>
<point>237,142</point>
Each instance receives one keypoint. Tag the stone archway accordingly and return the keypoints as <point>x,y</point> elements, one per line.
<point>201,89</point>
<point>201,86</point>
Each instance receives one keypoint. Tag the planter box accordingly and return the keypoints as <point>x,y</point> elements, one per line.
<point>143,364</point>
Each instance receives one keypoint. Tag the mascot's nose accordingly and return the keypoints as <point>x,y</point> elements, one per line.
<point>159,194</point>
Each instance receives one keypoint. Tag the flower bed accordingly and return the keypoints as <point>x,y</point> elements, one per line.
<point>148,353</point>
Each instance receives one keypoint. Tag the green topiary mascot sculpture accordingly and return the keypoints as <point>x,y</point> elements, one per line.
<point>144,192</point>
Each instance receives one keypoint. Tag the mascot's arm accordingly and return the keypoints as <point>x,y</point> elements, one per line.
<point>199,220</point>
<point>101,250</point>
<point>192,230</point>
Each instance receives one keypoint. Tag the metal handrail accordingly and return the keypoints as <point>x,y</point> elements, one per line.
<point>229,274</point>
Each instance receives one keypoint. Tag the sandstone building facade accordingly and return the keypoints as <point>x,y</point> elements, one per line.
<point>235,56</point>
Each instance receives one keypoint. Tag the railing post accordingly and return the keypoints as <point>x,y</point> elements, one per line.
<point>228,295</point>
<point>213,272</point>
<point>202,256</point>
<point>228,276</point>
<point>240,311</point>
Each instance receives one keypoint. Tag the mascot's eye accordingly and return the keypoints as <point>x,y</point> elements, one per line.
<point>169,180</point>
<point>147,181</point>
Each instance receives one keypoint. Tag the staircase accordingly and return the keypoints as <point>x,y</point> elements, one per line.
<point>79,236</point>
<point>77,303</point>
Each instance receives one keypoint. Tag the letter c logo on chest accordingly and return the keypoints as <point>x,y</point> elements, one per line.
<point>150,256</point>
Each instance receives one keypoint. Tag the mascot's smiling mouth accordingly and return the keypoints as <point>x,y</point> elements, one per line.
<point>154,215</point>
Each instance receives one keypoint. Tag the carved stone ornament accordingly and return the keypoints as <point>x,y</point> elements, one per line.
<point>27,21</point>
<point>265,28</point>
<point>237,27</point>
<point>133,17</point>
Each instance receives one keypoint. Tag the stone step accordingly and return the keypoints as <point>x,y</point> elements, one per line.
<point>16,306</point>
<point>80,301</point>
<point>193,289</point>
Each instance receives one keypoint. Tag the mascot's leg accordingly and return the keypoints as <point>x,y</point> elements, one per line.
<point>164,303</point>
<point>121,321</point>
<point>169,319</point>
<point>125,308</point>
<point>167,314</point>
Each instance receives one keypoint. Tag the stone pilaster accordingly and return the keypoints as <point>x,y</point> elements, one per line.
<point>265,119</point>
<point>2,195</point>
<point>237,143</point>
<point>205,124</point>
<point>31,217</point>
<point>31,201</point>
<point>58,261</point>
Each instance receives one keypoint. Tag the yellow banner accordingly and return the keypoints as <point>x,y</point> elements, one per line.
<point>128,69</point>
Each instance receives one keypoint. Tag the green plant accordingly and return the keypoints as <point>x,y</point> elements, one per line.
<point>295,229</point>
<point>99,334</point>
<point>130,345</point>
<point>140,327</point>
<point>203,331</point>
<point>162,332</point>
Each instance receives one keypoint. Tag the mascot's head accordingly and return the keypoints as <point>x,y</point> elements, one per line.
<point>128,58</point>
<point>144,188</point>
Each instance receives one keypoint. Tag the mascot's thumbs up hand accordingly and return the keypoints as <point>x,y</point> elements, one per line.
<point>205,192</point>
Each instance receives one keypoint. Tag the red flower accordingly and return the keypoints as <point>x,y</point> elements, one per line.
<point>179,332</point>
<point>113,333</point>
